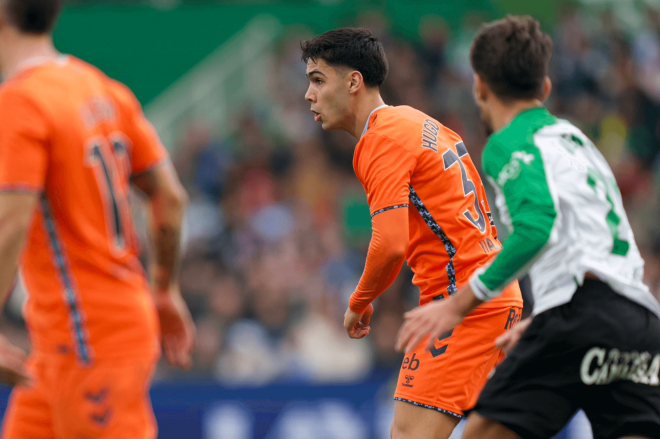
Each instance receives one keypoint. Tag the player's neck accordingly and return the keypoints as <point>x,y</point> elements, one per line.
<point>21,51</point>
<point>365,106</point>
<point>504,113</point>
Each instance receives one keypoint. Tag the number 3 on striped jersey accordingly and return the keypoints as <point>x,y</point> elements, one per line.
<point>619,246</point>
<point>450,159</point>
<point>110,162</point>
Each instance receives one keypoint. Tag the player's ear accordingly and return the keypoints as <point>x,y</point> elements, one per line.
<point>355,81</point>
<point>547,88</point>
<point>480,89</point>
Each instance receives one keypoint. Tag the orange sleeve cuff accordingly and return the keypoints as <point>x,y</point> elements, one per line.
<point>389,243</point>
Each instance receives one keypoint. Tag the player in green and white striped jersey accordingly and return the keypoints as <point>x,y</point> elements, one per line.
<point>594,340</point>
<point>550,179</point>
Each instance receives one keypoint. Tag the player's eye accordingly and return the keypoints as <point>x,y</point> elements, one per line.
<point>319,81</point>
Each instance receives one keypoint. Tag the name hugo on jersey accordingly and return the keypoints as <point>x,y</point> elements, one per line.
<point>430,135</point>
<point>630,366</point>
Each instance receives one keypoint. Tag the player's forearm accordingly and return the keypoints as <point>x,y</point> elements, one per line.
<point>166,217</point>
<point>167,203</point>
<point>465,300</point>
<point>16,209</point>
<point>373,282</point>
<point>531,234</point>
<point>12,239</point>
<point>387,250</point>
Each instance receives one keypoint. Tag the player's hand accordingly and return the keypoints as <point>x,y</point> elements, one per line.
<point>176,327</point>
<point>509,339</point>
<point>357,325</point>
<point>12,364</point>
<point>431,320</point>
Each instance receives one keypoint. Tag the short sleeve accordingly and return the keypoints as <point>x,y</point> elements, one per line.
<point>385,169</point>
<point>147,150</point>
<point>23,144</point>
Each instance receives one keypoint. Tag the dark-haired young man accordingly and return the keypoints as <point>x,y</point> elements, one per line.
<point>429,207</point>
<point>71,141</point>
<point>594,340</point>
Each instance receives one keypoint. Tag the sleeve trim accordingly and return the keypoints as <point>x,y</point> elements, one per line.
<point>20,188</point>
<point>480,290</point>
<point>151,166</point>
<point>396,206</point>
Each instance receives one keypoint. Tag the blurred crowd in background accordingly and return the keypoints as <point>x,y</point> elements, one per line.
<point>278,225</point>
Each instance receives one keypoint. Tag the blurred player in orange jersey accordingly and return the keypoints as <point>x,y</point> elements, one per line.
<point>71,142</point>
<point>429,207</point>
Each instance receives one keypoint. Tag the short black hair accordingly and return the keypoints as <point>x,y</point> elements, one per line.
<point>351,47</point>
<point>512,56</point>
<point>33,16</point>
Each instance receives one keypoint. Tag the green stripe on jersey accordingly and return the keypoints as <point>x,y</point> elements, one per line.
<point>537,163</point>
<point>515,167</point>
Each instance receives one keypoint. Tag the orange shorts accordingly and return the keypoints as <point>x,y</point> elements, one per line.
<point>450,377</point>
<point>107,400</point>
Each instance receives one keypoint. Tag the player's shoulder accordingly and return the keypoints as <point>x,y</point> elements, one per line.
<point>24,84</point>
<point>522,129</point>
<point>61,74</point>
<point>122,93</point>
<point>516,138</point>
<point>410,127</point>
<point>21,91</point>
<point>396,120</point>
<point>117,90</point>
<point>401,119</point>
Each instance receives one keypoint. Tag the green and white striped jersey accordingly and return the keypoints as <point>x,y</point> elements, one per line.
<point>559,198</point>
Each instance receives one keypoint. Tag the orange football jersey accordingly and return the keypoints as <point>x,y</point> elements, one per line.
<point>407,159</point>
<point>75,137</point>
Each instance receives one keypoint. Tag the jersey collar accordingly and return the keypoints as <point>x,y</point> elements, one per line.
<point>37,61</point>
<point>366,125</point>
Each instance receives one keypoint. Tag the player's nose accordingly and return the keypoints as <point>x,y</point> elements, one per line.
<point>309,96</point>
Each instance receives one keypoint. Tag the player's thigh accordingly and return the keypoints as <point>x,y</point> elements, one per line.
<point>449,377</point>
<point>478,427</point>
<point>107,400</point>
<point>417,422</point>
<point>29,414</point>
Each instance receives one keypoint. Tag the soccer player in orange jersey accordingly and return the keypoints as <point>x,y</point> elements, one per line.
<point>71,142</point>
<point>428,207</point>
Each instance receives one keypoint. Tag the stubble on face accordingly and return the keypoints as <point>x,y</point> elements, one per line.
<point>486,123</point>
<point>484,115</point>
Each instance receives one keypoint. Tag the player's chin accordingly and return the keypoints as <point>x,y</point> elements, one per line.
<point>327,125</point>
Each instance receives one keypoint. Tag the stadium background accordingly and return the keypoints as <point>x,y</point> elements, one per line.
<point>278,225</point>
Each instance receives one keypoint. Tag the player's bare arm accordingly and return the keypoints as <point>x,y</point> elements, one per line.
<point>167,202</point>
<point>16,209</point>
<point>387,250</point>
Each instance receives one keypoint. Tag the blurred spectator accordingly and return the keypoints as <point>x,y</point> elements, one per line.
<point>278,224</point>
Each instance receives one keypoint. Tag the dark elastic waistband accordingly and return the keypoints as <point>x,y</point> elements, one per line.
<point>595,286</point>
